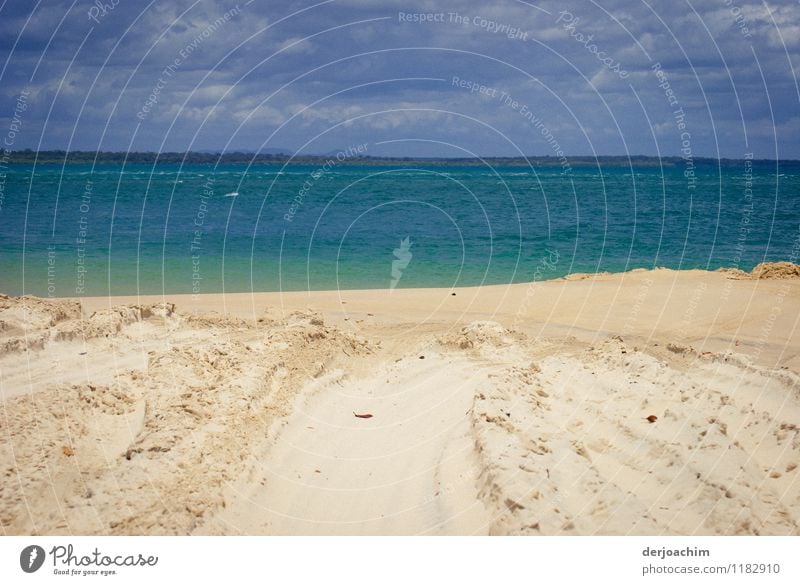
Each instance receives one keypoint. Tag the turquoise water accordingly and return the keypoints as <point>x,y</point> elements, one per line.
<point>77,230</point>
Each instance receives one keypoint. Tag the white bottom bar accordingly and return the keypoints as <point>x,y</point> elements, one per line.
<point>377,560</point>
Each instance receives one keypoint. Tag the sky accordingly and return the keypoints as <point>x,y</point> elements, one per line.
<point>692,78</point>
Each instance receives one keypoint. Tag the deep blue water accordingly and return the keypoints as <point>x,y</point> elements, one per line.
<point>77,230</point>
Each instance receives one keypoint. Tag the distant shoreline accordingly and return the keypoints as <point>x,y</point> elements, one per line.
<point>107,157</point>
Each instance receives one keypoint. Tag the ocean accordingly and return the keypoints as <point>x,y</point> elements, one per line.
<point>108,229</point>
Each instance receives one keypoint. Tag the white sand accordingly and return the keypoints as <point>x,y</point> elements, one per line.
<point>527,415</point>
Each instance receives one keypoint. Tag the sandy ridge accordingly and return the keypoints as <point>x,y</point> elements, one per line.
<point>571,407</point>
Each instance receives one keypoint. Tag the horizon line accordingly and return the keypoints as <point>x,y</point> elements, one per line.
<point>286,155</point>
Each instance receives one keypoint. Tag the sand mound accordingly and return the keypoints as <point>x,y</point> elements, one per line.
<point>764,271</point>
<point>622,443</point>
<point>478,335</point>
<point>110,321</point>
<point>30,314</point>
<point>214,320</point>
<point>152,452</point>
<point>54,443</point>
<point>776,270</point>
<point>31,323</point>
<point>584,275</point>
<point>734,273</point>
<point>609,440</point>
<point>25,321</point>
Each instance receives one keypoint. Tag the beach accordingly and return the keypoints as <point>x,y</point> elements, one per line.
<point>649,402</point>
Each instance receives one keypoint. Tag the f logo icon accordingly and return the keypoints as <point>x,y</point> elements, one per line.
<point>31,558</point>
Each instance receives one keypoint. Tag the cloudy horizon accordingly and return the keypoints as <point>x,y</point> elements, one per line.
<point>699,79</point>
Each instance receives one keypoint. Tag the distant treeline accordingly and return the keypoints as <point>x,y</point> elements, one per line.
<point>91,157</point>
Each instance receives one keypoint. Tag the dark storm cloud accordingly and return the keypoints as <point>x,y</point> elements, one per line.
<point>320,76</point>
